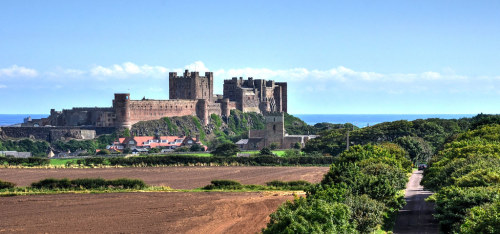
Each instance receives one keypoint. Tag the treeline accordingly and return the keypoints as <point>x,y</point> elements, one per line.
<point>271,185</point>
<point>421,138</point>
<point>466,177</point>
<point>178,160</point>
<point>361,193</point>
<point>37,148</point>
<point>88,183</point>
<point>32,161</point>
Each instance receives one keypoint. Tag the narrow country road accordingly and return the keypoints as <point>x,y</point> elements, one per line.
<point>416,216</point>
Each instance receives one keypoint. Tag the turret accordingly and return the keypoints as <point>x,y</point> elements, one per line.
<point>122,110</point>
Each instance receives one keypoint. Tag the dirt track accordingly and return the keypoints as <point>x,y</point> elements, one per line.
<point>175,177</point>
<point>139,213</point>
<point>416,216</point>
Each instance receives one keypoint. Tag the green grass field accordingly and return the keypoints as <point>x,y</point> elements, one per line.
<point>61,162</point>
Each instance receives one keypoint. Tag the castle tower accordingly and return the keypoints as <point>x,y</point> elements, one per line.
<point>191,85</point>
<point>275,128</point>
<point>122,110</point>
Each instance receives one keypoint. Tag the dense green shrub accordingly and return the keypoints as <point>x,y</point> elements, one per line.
<point>31,161</point>
<point>52,183</point>
<point>453,203</point>
<point>482,219</point>
<point>291,185</point>
<point>266,152</point>
<point>226,150</point>
<point>311,216</point>
<point>367,213</point>
<point>192,160</point>
<point>224,184</point>
<point>88,183</point>
<point>6,184</point>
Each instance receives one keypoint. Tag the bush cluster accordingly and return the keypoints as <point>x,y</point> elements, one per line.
<point>361,192</point>
<point>31,161</point>
<point>466,177</point>
<point>6,185</point>
<point>291,185</point>
<point>224,184</point>
<point>88,183</point>
<point>215,160</point>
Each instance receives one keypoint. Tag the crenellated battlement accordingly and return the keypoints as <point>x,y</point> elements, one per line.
<point>189,94</point>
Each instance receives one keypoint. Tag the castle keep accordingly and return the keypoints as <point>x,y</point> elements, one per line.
<point>189,94</point>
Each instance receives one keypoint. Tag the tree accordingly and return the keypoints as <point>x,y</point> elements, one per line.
<point>196,148</point>
<point>265,152</point>
<point>418,149</point>
<point>226,150</point>
<point>273,146</point>
<point>310,216</point>
<point>297,145</point>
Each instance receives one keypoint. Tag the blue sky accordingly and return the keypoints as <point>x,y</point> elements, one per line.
<point>339,57</point>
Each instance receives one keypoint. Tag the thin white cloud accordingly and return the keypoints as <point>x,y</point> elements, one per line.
<point>18,71</point>
<point>3,86</point>
<point>129,69</point>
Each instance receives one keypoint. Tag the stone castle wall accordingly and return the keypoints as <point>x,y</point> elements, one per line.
<point>53,134</point>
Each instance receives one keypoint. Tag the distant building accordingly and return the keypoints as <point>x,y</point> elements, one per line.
<point>274,133</point>
<point>190,94</point>
<point>148,142</point>
<point>15,154</point>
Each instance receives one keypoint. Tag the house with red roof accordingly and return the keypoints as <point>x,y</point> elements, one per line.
<point>149,142</point>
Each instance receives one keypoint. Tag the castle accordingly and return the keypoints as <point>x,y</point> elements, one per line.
<point>189,94</point>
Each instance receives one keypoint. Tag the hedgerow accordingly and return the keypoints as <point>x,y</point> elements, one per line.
<point>6,185</point>
<point>362,188</point>
<point>466,177</point>
<point>88,183</point>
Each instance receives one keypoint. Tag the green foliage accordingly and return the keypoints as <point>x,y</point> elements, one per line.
<point>273,146</point>
<point>433,131</point>
<point>224,185</point>
<point>201,130</point>
<point>310,216</point>
<point>289,185</point>
<point>196,148</point>
<point>125,133</point>
<point>103,152</point>
<point>297,145</point>
<point>32,161</point>
<point>214,160</point>
<point>182,149</point>
<point>88,183</point>
<point>266,152</point>
<point>73,145</point>
<point>367,213</point>
<point>226,150</point>
<point>466,176</point>
<point>292,153</point>
<point>366,180</point>
<point>6,185</point>
<point>418,149</point>
<point>37,148</point>
<point>217,120</point>
<point>172,128</point>
<point>453,203</point>
<point>154,150</point>
<point>482,219</point>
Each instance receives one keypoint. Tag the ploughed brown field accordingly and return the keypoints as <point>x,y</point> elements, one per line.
<point>213,212</point>
<point>174,177</point>
<point>156,212</point>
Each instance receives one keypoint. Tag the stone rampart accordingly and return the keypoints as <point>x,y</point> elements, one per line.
<point>53,134</point>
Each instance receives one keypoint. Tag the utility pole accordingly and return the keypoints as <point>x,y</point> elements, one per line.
<point>347,146</point>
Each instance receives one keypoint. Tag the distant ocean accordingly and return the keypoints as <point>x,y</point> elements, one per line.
<point>7,120</point>
<point>370,119</point>
<point>358,120</point>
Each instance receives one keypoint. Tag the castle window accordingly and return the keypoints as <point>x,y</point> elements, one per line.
<point>274,127</point>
